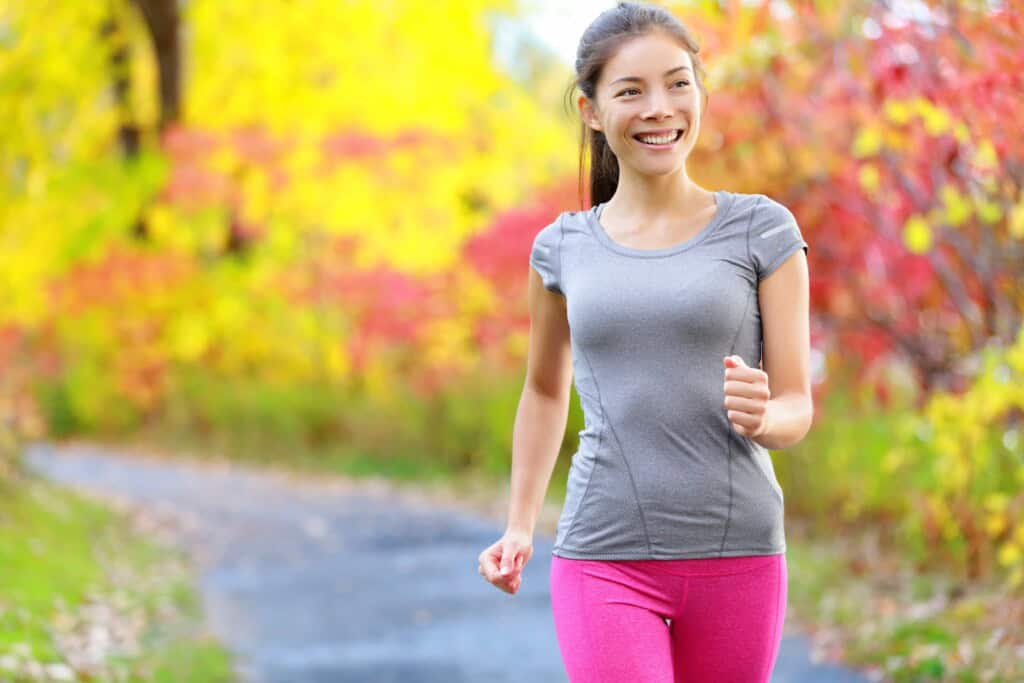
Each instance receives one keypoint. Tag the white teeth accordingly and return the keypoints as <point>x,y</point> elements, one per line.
<point>660,139</point>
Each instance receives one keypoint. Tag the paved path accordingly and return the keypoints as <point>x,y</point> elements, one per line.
<point>315,580</point>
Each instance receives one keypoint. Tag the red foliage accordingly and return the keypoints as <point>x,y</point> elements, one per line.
<point>122,275</point>
<point>869,292</point>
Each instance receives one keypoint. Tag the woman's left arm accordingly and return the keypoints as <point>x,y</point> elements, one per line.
<point>785,321</point>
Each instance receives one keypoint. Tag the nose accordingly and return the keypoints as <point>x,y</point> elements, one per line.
<point>658,107</point>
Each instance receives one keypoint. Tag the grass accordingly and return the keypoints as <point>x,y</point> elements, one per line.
<point>84,597</point>
<point>867,606</point>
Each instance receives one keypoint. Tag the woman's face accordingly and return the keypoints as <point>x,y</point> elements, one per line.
<point>648,86</point>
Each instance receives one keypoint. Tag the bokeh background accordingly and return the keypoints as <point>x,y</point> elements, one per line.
<point>298,232</point>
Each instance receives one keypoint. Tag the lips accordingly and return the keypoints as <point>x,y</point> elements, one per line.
<point>662,134</point>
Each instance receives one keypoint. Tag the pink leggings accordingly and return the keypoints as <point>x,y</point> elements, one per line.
<point>726,618</point>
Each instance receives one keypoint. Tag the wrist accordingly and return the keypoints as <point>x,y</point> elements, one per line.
<point>764,438</point>
<point>520,529</point>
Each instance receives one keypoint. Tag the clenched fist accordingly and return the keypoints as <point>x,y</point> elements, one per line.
<point>746,397</point>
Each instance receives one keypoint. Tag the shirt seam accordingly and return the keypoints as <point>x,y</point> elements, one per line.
<point>764,475</point>
<point>593,468</point>
<point>632,483</point>
<point>732,349</point>
<point>607,422</point>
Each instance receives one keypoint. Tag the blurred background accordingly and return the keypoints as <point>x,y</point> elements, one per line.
<point>298,233</point>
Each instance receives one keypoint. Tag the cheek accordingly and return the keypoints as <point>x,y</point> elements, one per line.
<point>621,127</point>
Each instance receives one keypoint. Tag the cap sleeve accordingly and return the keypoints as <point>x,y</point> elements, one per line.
<point>545,256</point>
<point>773,237</point>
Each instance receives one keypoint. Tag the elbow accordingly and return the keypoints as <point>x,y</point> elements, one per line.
<point>804,422</point>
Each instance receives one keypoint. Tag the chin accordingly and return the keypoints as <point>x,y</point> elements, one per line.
<point>662,169</point>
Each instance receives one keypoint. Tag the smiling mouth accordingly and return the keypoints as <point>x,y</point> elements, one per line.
<point>661,140</point>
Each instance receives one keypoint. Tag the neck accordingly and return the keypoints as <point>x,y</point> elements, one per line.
<point>673,194</point>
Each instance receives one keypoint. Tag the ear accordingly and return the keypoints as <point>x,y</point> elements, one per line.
<point>587,112</point>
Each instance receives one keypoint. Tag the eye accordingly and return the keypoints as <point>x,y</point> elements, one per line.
<point>683,82</point>
<point>628,90</point>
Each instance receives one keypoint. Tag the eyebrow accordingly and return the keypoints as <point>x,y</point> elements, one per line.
<point>637,78</point>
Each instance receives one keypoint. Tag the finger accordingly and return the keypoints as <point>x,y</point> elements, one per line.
<point>511,580</point>
<point>746,389</point>
<point>742,431</point>
<point>491,567</point>
<point>745,374</point>
<point>745,405</point>
<point>508,562</point>
<point>743,420</point>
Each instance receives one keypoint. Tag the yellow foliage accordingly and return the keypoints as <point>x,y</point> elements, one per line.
<point>995,524</point>
<point>957,207</point>
<point>869,178</point>
<point>961,132</point>
<point>868,141</point>
<point>379,379</point>
<point>337,361</point>
<point>893,460</point>
<point>446,342</point>
<point>1017,220</point>
<point>898,111</point>
<point>996,502</point>
<point>1010,554</point>
<point>985,156</point>
<point>517,343</point>
<point>917,234</point>
<point>988,211</point>
<point>962,430</point>
<point>895,140</point>
<point>936,120</point>
<point>476,296</point>
<point>189,338</point>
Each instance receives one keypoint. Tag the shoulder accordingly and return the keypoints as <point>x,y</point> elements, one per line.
<point>546,252</point>
<point>547,239</point>
<point>773,234</point>
<point>773,211</point>
<point>564,224</point>
<point>755,214</point>
<point>757,207</point>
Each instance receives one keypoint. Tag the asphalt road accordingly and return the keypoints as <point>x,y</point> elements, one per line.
<point>312,580</point>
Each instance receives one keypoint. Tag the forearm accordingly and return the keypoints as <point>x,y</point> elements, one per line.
<point>539,428</point>
<point>788,419</point>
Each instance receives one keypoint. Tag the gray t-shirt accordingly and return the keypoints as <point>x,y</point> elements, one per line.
<point>660,472</point>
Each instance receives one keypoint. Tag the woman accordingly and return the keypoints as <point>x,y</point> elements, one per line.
<point>669,559</point>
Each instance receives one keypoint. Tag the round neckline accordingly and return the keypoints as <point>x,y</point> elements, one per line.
<point>723,202</point>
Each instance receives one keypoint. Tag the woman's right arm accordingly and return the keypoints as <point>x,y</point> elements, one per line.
<point>543,407</point>
<point>537,434</point>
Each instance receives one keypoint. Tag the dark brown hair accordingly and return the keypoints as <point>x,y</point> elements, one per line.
<point>606,33</point>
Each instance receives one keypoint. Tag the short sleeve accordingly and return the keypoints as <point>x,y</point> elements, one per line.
<point>545,255</point>
<point>773,237</point>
